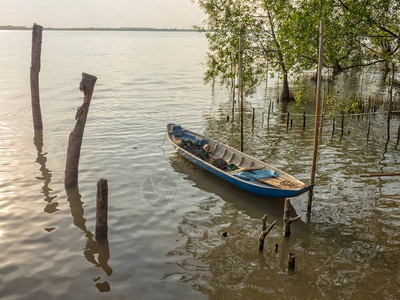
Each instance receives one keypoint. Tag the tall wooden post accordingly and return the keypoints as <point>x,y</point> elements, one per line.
<point>35,69</point>
<point>76,135</point>
<point>241,90</point>
<point>317,115</point>
<point>101,209</point>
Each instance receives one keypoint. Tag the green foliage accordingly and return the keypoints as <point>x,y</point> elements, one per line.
<point>285,36</point>
<point>338,107</point>
<point>299,97</point>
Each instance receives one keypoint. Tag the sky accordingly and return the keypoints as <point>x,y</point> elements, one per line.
<point>101,13</point>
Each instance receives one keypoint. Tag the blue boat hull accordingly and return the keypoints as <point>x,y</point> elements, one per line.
<point>256,189</point>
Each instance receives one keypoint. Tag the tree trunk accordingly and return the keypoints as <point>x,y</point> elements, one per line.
<point>285,94</point>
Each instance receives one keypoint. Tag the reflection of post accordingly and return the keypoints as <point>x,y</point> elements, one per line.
<point>35,69</point>
<point>101,209</point>
<point>46,173</point>
<point>92,247</point>
<point>390,104</point>
<point>76,135</point>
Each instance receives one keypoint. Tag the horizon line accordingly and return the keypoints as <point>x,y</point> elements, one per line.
<point>12,27</point>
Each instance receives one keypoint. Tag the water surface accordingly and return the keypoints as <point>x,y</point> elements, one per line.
<point>171,247</point>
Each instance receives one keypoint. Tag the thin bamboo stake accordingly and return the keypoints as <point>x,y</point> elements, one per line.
<point>269,111</point>
<point>34,76</point>
<point>287,119</point>
<point>233,99</point>
<point>252,120</point>
<point>317,116</point>
<point>241,90</point>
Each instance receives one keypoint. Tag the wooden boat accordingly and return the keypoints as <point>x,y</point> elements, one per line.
<point>239,169</point>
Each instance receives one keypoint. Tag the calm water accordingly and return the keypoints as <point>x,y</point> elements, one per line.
<point>165,242</point>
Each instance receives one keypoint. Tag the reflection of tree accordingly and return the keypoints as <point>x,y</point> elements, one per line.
<point>93,246</point>
<point>46,173</point>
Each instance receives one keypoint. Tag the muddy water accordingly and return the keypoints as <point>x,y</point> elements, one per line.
<point>165,214</point>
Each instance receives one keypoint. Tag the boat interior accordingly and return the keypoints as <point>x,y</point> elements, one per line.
<point>245,166</point>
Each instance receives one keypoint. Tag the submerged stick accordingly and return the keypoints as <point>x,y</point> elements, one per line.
<point>76,135</point>
<point>34,76</point>
<point>264,232</point>
<point>380,174</point>
<point>102,209</point>
<point>287,220</point>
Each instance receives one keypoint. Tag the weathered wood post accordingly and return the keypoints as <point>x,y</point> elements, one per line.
<point>287,220</point>
<point>76,135</point>
<point>333,126</point>
<point>101,209</point>
<point>264,232</point>
<point>369,127</point>
<point>390,104</point>
<point>241,90</point>
<point>398,137</point>
<point>35,69</point>
<point>304,121</point>
<point>317,116</point>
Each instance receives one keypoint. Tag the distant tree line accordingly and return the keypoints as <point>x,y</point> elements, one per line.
<point>282,36</point>
<point>9,27</point>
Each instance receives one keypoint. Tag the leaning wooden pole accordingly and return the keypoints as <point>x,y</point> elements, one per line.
<point>35,69</point>
<point>241,90</point>
<point>102,209</point>
<point>317,115</point>
<point>76,135</point>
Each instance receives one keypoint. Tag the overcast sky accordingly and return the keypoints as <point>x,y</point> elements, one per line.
<point>101,13</point>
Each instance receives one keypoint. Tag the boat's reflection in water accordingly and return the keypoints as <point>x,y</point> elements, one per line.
<point>252,205</point>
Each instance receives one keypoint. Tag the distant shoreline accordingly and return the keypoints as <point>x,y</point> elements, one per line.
<point>9,27</point>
